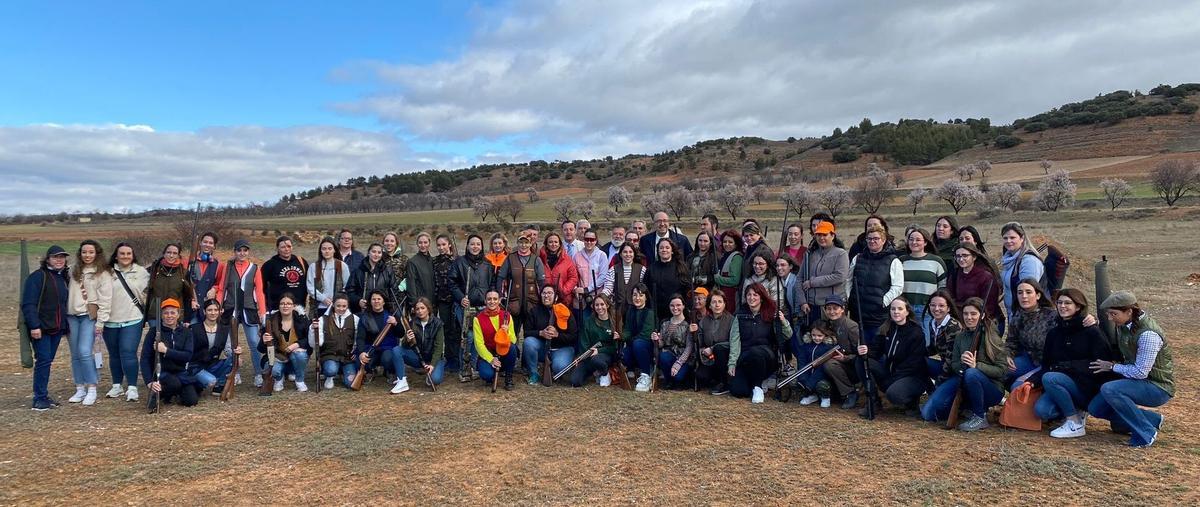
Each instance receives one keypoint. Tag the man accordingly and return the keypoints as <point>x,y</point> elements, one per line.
<point>648,243</point>
<point>638,227</point>
<point>571,244</point>
<point>284,273</point>
<point>710,224</point>
<point>618,238</point>
<point>173,347</point>
<point>346,250</point>
<point>533,233</point>
<point>752,237</point>
<point>582,226</point>
<point>240,292</point>
<point>203,271</point>
<point>420,271</point>
<point>593,268</point>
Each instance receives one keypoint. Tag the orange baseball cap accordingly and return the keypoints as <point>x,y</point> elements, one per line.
<point>824,228</point>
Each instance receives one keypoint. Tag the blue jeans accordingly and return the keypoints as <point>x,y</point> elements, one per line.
<point>868,335</point>
<point>507,362</point>
<point>640,354</point>
<point>535,351</point>
<point>925,319</point>
<point>390,359</point>
<point>412,359</point>
<point>1118,402</point>
<point>978,395</point>
<point>935,367</point>
<point>1060,399</point>
<point>122,344</point>
<point>666,360</point>
<point>1024,365</point>
<point>81,338</point>
<point>215,374</point>
<point>348,369</point>
<point>43,355</point>
<point>299,361</point>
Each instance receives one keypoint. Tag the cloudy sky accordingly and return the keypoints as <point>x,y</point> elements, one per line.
<point>137,105</point>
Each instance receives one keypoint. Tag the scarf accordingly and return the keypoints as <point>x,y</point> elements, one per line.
<point>552,258</point>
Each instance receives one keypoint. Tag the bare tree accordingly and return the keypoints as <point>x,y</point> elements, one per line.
<point>732,198</point>
<point>679,201</point>
<point>872,191</point>
<point>509,207</point>
<point>957,194</point>
<point>707,207</point>
<point>1174,179</point>
<point>759,192</point>
<point>1004,195</point>
<point>917,196</point>
<point>799,198</point>
<point>586,208</point>
<point>1046,165</point>
<point>1056,191</point>
<point>532,194</point>
<point>1116,190</point>
<point>618,196</point>
<point>965,172</point>
<point>482,207</point>
<point>651,204</point>
<point>982,167</point>
<point>564,208</point>
<point>836,199</point>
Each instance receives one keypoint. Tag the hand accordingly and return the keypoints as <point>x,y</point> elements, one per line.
<point>732,371</point>
<point>862,350</point>
<point>806,285</point>
<point>1011,365</point>
<point>316,324</point>
<point>267,338</point>
<point>428,369</point>
<point>1089,321</point>
<point>692,328</point>
<point>779,315</point>
<point>805,308</point>
<point>195,305</point>
<point>466,302</point>
<point>328,303</point>
<point>655,336</point>
<point>36,334</point>
<point>968,359</point>
<point>155,386</point>
<point>362,303</point>
<point>706,351</point>
<point>1100,366</point>
<point>99,333</point>
<point>838,356</point>
<point>579,290</point>
<point>675,369</point>
<point>391,320</point>
<point>161,347</point>
<point>364,358</point>
<point>83,290</point>
<point>410,335</point>
<point>238,350</point>
<point>292,348</point>
<point>616,336</point>
<point>496,364</point>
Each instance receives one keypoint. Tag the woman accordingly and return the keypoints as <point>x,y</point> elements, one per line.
<point>979,369</point>
<point>822,275</point>
<point>1147,368</point>
<point>210,339</point>
<point>822,218</point>
<point>242,299</point>
<point>1034,318</point>
<point>968,235</point>
<point>977,277</point>
<point>763,273</point>
<point>597,332</point>
<point>702,264</point>
<point>714,334</point>
<point>123,329</point>
<point>944,324</point>
<point>287,331</point>
<point>90,294</point>
<point>424,348</point>
<point>673,339</point>
<point>795,244</point>
<point>471,276</point>
<point>371,276</point>
<point>1068,382</point>
<point>169,280</point>
<point>666,276</point>
<point>44,307</point>
<point>860,243</point>
<point>729,273</point>
<point>337,332</point>
<point>326,276</point>
<point>761,331</point>
<point>814,384</point>
<point>444,285</point>
<point>623,277</point>
<point>498,252</point>
<point>394,259</point>
<point>945,238</point>
<point>876,279</point>
<point>495,341</point>
<point>639,319</point>
<point>1020,261</point>
<point>924,274</point>
<point>898,361</point>
<point>559,268</point>
<point>370,324</point>
<point>550,334</point>
<point>169,345</point>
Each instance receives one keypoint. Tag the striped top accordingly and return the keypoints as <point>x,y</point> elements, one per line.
<point>922,277</point>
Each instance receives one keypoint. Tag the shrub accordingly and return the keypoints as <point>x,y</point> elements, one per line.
<point>1007,141</point>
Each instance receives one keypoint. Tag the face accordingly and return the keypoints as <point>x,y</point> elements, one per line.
<point>661,222</point>
<point>327,250</point>
<point>242,254</point>
<point>817,336</point>
<point>568,230</point>
<point>964,258</point>
<point>703,243</point>
<point>87,253</point>
<point>639,299</point>
<point>676,307</point>
<point>207,244</point>
<point>618,235</point>
<point>834,312</point>
<point>492,300</point>
<point>171,253</point>
<point>1066,307</point>
<point>966,238</point>
<point>497,245</point>
<point>125,256</point>
<point>631,237</point>
<point>600,307</point>
<point>347,240</point>
<point>698,301</point>
<point>1027,296</point>
<point>389,243</point>
<point>760,266</point>
<point>916,242</point>
<point>170,316</point>
<point>971,317</point>
<point>717,305</point>
<point>377,303</point>
<point>938,308</point>
<point>812,225</point>
<point>286,305</point>
<point>582,227</point>
<point>474,245</point>
<point>284,249</point>
<point>423,244</point>
<point>753,300</point>
<point>523,246</point>
<point>548,296</point>
<point>728,244</point>
<point>1012,241</point>
<point>874,242</point>
<point>824,240</point>
<point>898,311</point>
<point>795,235</point>
<point>874,221</point>
<point>706,225</point>
<point>421,310</point>
<point>341,306</point>
<point>534,234</point>
<point>782,268</point>
<point>589,241</point>
<point>627,255</point>
<point>664,251</point>
<point>212,313</point>
<point>750,239</point>
<point>942,229</point>
<point>443,246</point>
<point>375,253</point>
<point>552,243</point>
<point>1119,317</point>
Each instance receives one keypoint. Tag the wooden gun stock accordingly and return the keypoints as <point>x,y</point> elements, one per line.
<point>230,380</point>
<point>268,374</point>
<point>357,383</point>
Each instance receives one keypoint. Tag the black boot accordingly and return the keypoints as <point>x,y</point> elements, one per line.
<point>508,381</point>
<point>872,409</point>
<point>851,401</point>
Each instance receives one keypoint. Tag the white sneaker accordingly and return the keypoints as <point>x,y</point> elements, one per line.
<point>329,383</point>
<point>643,383</point>
<point>809,400</point>
<point>278,385</point>
<point>605,381</point>
<point>301,387</point>
<point>237,379</point>
<point>758,395</point>
<point>115,392</point>
<point>258,381</point>
<point>291,377</point>
<point>80,392</point>
<point>90,397</point>
<point>1069,429</point>
<point>401,386</point>
<point>825,402</point>
<point>131,394</point>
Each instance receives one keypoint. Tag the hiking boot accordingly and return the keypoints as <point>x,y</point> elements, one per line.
<point>719,390</point>
<point>974,423</point>
<point>851,401</point>
<point>116,391</point>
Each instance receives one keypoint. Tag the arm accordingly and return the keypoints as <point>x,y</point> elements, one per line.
<point>439,344</point>
<point>897,288</point>
<point>29,299</point>
<point>733,277</point>
<point>848,285</point>
<point>1149,343</point>
<point>183,353</point>
<point>258,295</point>
<point>735,344</point>
<point>480,348</point>
<point>784,330</point>
<point>310,282</point>
<point>458,281</point>
<point>104,292</point>
<point>147,362</point>
<point>220,285</point>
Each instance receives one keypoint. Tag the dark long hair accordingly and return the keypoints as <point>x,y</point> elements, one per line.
<point>99,262</point>
<point>767,309</point>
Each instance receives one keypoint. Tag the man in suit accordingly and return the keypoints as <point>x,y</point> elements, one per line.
<point>662,229</point>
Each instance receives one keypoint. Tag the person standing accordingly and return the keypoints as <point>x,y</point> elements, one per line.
<point>648,243</point>
<point>87,311</point>
<point>420,282</point>
<point>123,328</point>
<point>559,268</point>
<point>240,293</point>
<point>795,243</point>
<point>613,247</point>
<point>44,307</point>
<point>346,250</point>
<point>203,270</point>
<point>284,273</point>
<point>570,243</point>
<point>876,278</point>
<point>592,264</point>
<point>475,268</point>
<point>326,276</point>
<point>169,280</point>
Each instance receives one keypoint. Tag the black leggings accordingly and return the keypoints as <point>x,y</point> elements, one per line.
<point>753,367</point>
<point>900,391</point>
<point>172,387</point>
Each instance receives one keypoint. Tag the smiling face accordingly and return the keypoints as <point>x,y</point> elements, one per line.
<point>942,229</point>
<point>548,297</point>
<point>728,244</point>
<point>242,254</point>
<point>475,246</point>
<point>795,236</point>
<point>834,311</point>
<point>553,243</point>
<point>341,306</point>
<point>375,253</point>
<point>898,311</point>
<point>170,316</point>
<point>916,243</point>
<point>938,308</point>
<point>600,306</point>
<point>125,256</point>
<point>207,244</point>
<point>376,303</point>
<point>782,268</point>
<point>964,258</point>
<point>568,230</point>
<point>753,301</point>
<point>1066,307</point>
<point>675,307</point>
<point>423,243</point>
<point>390,242</point>
<point>971,317</point>
<point>212,313</point>
<point>662,223</point>
<point>760,266</point>
<point>639,299</point>
<point>87,254</point>
<point>664,251</point>
<point>1012,241</point>
<point>497,245</point>
<point>627,254</point>
<point>492,300</point>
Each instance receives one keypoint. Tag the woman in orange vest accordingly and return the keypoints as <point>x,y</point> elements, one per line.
<point>495,341</point>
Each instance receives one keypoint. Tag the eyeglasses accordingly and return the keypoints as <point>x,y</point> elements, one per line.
<point>874,240</point>
<point>589,240</point>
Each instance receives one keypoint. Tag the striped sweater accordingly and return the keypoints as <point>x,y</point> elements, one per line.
<point>922,277</point>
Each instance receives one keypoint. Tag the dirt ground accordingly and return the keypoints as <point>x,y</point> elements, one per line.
<point>536,445</point>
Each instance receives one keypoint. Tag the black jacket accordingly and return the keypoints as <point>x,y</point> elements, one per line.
<point>364,280</point>
<point>204,354</point>
<point>902,351</point>
<point>175,360</point>
<point>541,316</point>
<point>648,244</point>
<point>663,282</point>
<point>481,274</point>
<point>1070,348</point>
<point>420,276</point>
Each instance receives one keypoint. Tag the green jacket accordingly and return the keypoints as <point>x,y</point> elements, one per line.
<point>1162,374</point>
<point>995,367</point>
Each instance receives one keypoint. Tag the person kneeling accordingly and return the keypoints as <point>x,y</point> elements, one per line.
<point>597,332</point>
<point>210,340</point>
<point>170,343</point>
<point>336,335</point>
<point>494,337</point>
<point>550,335</point>
<point>978,366</point>
<point>814,384</point>
<point>425,344</point>
<point>287,331</point>
<point>1065,377</point>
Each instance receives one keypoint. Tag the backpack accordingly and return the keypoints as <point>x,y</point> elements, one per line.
<point>1054,266</point>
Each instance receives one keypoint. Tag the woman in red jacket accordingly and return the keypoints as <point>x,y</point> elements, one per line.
<point>559,268</point>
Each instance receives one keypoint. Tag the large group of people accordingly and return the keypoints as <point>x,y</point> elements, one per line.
<point>927,322</point>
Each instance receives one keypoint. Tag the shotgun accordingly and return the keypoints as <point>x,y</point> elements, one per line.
<point>866,361</point>
<point>952,417</point>
<point>618,369</point>
<point>547,371</point>
<point>463,344</point>
<point>790,379</point>
<point>357,383</point>
<point>654,377</point>
<point>428,376</point>
<point>153,401</point>
<point>227,392</point>
<point>581,358</point>
<point>268,372</point>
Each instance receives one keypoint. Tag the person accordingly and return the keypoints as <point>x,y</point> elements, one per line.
<point>597,331</point>
<point>1028,328</point>
<point>702,264</point>
<point>371,323</point>
<point>816,220</point>
<point>613,247</point>
<point>123,329</point>
<point>978,371</point>
<point>897,361</point>
<point>924,274</point>
<point>762,272</point>
<point>570,243</point>
<point>240,293</point>
<point>284,273</point>
<point>876,279</point>
<point>520,277</point>
<point>495,341</point>
<point>559,267</point>
<point>632,238</point>
<point>944,324</point>
<point>728,278</point>
<point>623,277</point>
<point>326,276</point>
<point>204,269</point>
<point>346,251</point>
<point>445,289</point>
<point>396,261</point>
<point>168,280</point>
<point>371,275</point>
<point>968,235</point>
<point>44,307</point>
<point>945,238</point>
<point>1067,381</point>
<point>419,281</point>
<point>169,345</point>
<point>977,277</point>
<point>425,345</point>
<point>795,243</point>
<point>550,335</point>
<point>840,369</point>
<point>1147,370</point>
<point>581,227</point>
<point>592,264</point>
<point>710,224</point>
<point>89,296</point>
<point>534,234</point>
<point>666,276</point>
<point>1020,261</point>
<point>648,243</point>
<point>784,269</point>
<point>673,340</point>
<point>822,274</point>
<point>470,278</point>
<point>762,330</point>
<point>498,253</point>
<point>755,245</point>
<point>638,228</point>
<point>713,335</point>
<point>337,332</point>
<point>210,340</point>
<point>814,384</point>
<point>860,243</point>
<point>639,320</point>
<point>287,331</point>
